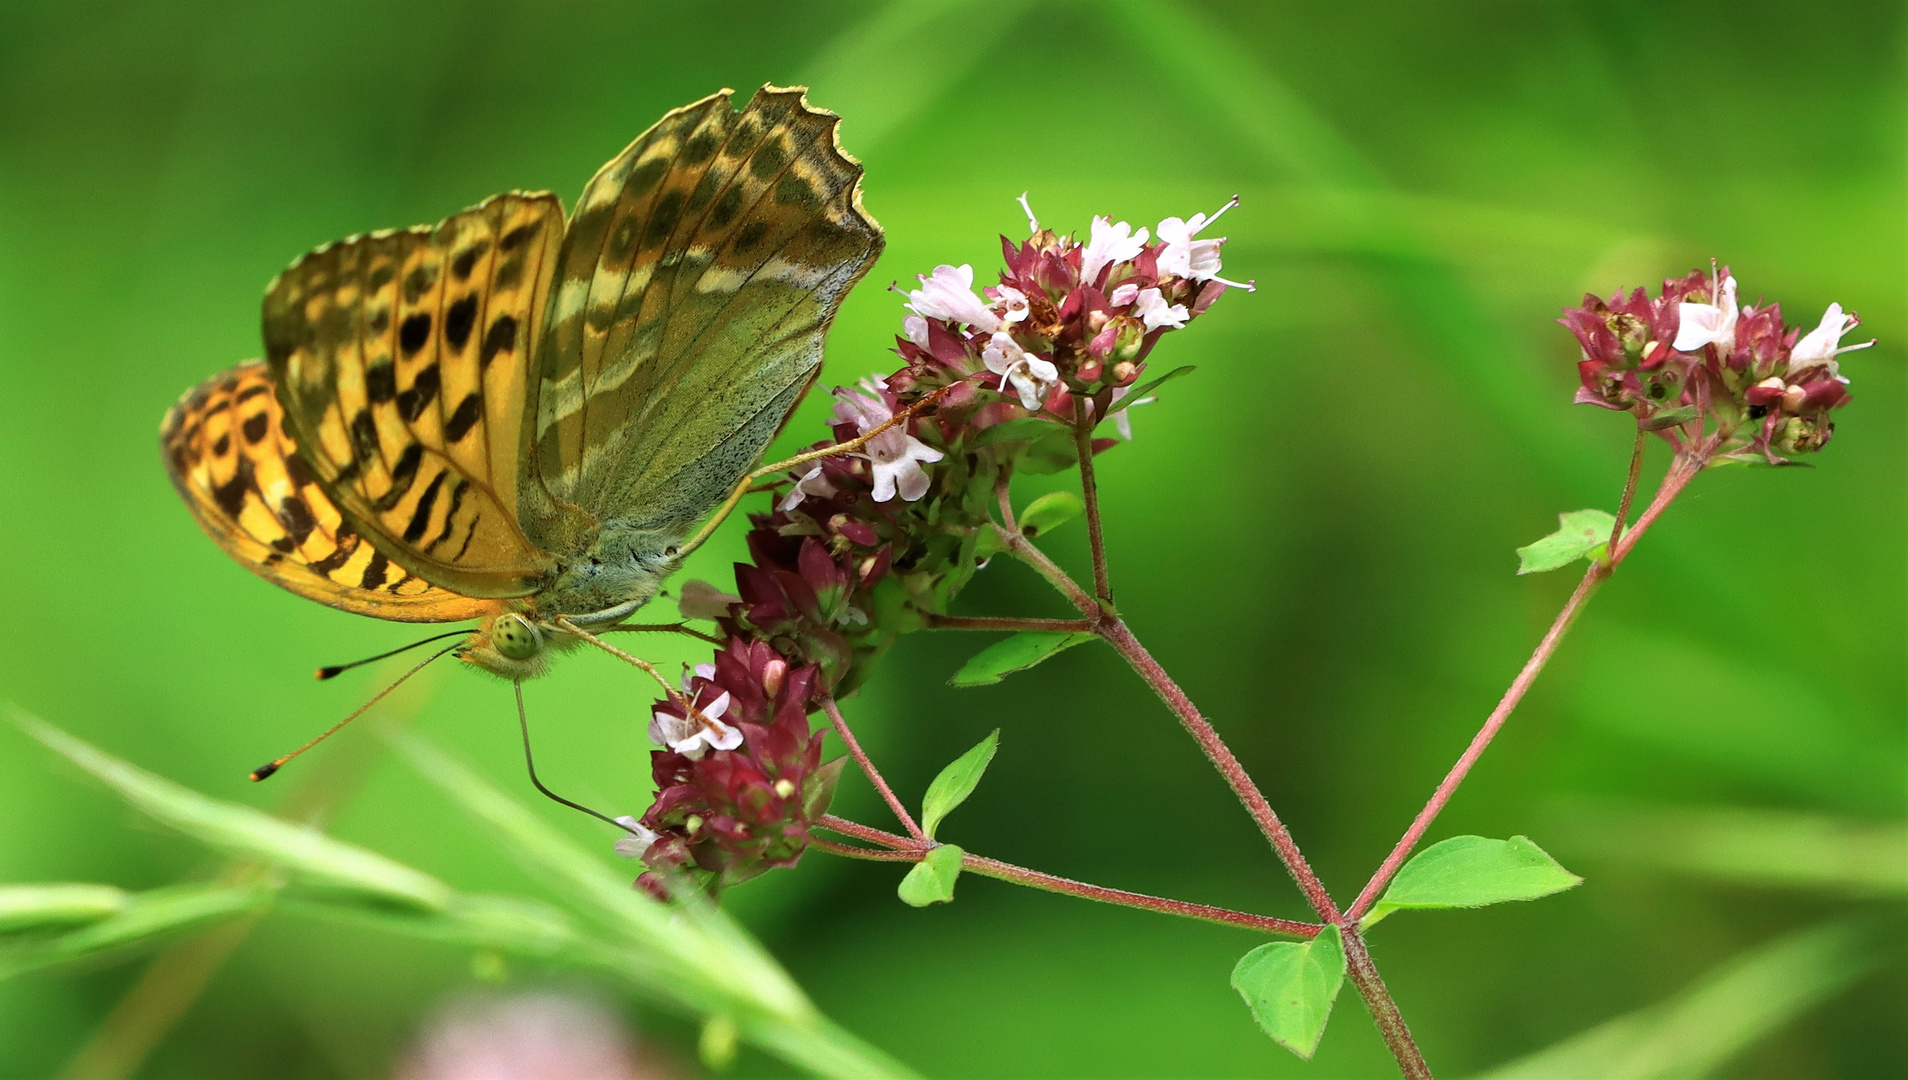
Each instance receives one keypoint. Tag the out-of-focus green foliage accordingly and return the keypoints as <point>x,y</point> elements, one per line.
<point>1313,532</point>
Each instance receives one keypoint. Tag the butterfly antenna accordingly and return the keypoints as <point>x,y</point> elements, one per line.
<point>530,762</point>
<point>335,670</point>
<point>271,767</point>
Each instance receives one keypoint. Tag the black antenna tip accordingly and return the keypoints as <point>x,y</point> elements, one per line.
<point>324,673</point>
<point>264,771</point>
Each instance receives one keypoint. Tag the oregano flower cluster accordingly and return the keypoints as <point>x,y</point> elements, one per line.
<point>1705,371</point>
<point>861,548</point>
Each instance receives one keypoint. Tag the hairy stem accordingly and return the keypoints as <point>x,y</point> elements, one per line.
<point>902,849</point>
<point>1629,493</point>
<point>1115,633</point>
<point>969,622</point>
<point>868,769</point>
<point>1384,1011</point>
<point>1083,441</point>
<point>1682,470</point>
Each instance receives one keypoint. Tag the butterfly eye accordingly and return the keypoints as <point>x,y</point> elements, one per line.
<point>670,551</point>
<point>515,637</point>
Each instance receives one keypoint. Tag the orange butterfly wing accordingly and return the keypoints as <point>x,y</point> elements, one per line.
<point>229,454</point>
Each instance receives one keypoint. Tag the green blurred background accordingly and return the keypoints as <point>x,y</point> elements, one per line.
<point>1314,533</point>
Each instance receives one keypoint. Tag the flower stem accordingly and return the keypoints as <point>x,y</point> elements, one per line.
<point>970,622</point>
<point>1629,493</point>
<point>1083,441</point>
<point>1682,470</point>
<point>1116,634</point>
<point>901,849</point>
<point>1384,1011</point>
<point>868,769</point>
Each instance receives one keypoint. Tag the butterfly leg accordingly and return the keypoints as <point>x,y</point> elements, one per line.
<point>746,484</point>
<point>530,762</point>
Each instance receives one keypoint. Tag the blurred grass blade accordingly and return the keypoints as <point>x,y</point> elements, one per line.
<point>1729,1010</point>
<point>942,40</point>
<point>1845,856</point>
<point>143,918</point>
<point>1249,107</point>
<point>38,907</point>
<point>242,830</point>
<point>690,949</point>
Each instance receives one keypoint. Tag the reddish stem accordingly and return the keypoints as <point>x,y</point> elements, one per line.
<point>971,622</point>
<point>1083,442</point>
<point>867,768</point>
<point>1116,634</point>
<point>1682,470</point>
<point>1384,1011</point>
<point>902,849</point>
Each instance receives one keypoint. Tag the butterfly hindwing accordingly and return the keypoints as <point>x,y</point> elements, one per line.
<point>700,271</point>
<point>230,457</point>
<point>400,358</point>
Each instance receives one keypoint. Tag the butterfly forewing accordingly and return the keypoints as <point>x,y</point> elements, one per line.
<point>230,457</point>
<point>700,272</point>
<point>401,358</point>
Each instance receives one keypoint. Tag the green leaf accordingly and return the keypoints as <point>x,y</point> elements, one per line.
<point>244,831</point>
<point>956,782</point>
<point>1473,871</point>
<point>988,542</point>
<point>1134,396</point>
<point>931,881</point>
<point>1023,427</point>
<point>1670,418</point>
<point>1048,512</point>
<point>818,791</point>
<point>1290,987</point>
<point>38,907</point>
<point>1580,534</point>
<point>1017,653</point>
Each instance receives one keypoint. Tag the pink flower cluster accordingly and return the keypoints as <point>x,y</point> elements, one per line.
<point>1695,365</point>
<point>865,546</point>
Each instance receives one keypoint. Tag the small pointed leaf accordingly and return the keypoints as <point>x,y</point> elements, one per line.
<point>956,782</point>
<point>1580,534</point>
<point>931,881</point>
<point>1017,653</point>
<point>1290,987</point>
<point>819,789</point>
<point>1472,871</point>
<point>1138,393</point>
<point>1048,512</point>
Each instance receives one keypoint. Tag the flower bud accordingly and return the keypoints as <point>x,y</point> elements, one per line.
<point>1125,372</point>
<point>1091,371</point>
<point>773,673</point>
<point>784,787</point>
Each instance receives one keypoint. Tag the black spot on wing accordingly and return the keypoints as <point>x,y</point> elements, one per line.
<point>375,571</point>
<point>469,411</point>
<point>380,382</point>
<point>501,337</point>
<point>364,437</point>
<point>255,427</point>
<point>662,220</point>
<point>403,475</point>
<point>467,258</point>
<point>459,320</point>
<point>750,235</point>
<point>514,238</point>
<point>421,517</point>
<point>413,401</point>
<point>296,517</point>
<point>415,331</point>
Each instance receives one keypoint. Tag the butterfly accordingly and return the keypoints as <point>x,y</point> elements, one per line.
<point>518,416</point>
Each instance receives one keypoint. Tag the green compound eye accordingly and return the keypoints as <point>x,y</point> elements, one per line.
<point>515,637</point>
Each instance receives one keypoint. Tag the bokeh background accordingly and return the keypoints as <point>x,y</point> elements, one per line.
<point>1314,532</point>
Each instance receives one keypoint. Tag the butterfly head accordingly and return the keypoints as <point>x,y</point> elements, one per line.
<point>513,645</point>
